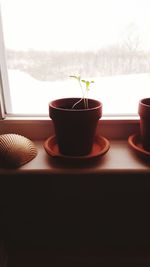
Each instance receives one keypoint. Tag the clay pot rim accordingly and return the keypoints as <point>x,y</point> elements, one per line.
<point>51,105</point>
<point>143,100</point>
<point>144,108</point>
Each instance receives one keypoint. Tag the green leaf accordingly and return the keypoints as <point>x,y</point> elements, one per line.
<point>75,77</point>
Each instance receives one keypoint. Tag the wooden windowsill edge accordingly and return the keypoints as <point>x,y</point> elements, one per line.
<point>119,159</point>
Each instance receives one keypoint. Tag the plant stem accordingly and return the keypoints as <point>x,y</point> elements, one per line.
<point>87,105</point>
<point>87,89</point>
<point>77,102</point>
<point>84,99</point>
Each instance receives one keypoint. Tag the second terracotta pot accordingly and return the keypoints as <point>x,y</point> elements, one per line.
<point>75,128</point>
<point>144,113</point>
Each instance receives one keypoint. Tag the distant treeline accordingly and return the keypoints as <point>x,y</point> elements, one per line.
<point>52,65</point>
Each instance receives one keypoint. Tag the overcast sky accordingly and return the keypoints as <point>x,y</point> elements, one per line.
<point>73,24</point>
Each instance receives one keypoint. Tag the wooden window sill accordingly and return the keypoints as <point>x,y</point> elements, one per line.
<point>119,159</point>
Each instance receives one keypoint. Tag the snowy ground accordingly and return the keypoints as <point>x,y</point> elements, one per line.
<point>119,94</point>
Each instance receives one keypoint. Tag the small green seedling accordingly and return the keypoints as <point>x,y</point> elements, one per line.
<point>85,90</point>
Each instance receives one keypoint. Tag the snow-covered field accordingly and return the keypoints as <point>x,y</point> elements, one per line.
<point>119,94</point>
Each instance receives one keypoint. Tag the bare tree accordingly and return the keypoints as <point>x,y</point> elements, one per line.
<point>132,40</point>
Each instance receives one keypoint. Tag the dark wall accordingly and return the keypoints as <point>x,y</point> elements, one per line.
<point>98,211</point>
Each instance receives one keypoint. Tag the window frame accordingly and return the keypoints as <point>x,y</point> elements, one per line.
<point>4,84</point>
<point>40,128</point>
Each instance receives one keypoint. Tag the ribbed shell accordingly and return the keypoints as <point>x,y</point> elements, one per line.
<point>16,150</point>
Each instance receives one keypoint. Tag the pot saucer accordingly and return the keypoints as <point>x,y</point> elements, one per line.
<point>135,143</point>
<point>100,147</point>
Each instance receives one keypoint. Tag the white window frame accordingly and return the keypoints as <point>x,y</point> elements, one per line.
<point>4,85</point>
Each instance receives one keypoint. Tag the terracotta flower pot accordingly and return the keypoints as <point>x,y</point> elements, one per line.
<point>75,128</point>
<point>144,112</point>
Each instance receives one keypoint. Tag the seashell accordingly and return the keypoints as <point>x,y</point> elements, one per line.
<point>16,150</point>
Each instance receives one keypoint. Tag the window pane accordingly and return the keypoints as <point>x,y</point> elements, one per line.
<point>107,41</point>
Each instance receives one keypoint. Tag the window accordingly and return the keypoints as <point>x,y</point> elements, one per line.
<point>45,41</point>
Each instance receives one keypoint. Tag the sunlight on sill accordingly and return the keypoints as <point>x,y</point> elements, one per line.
<point>108,118</point>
